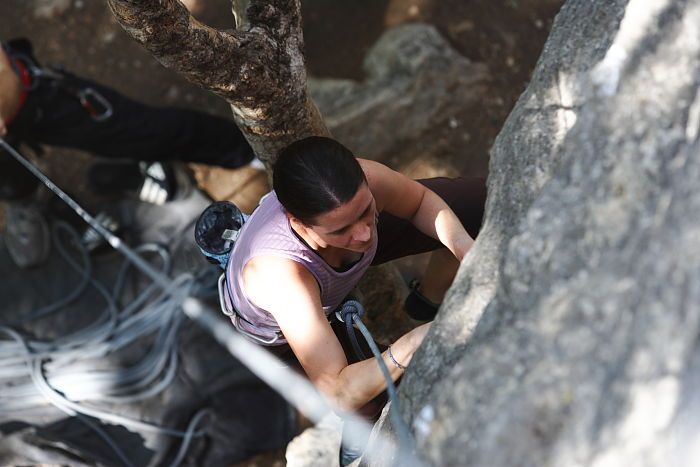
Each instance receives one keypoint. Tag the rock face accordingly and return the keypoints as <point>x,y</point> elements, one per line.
<point>415,80</point>
<point>316,446</point>
<point>570,336</point>
<point>46,9</point>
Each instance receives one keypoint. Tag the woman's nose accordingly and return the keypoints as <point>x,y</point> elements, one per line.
<point>362,232</point>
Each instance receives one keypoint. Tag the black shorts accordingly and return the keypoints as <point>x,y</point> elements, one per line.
<point>399,238</point>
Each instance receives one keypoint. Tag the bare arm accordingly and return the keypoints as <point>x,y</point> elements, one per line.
<point>408,199</point>
<point>296,306</point>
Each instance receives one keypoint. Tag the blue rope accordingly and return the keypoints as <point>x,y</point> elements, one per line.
<point>355,309</point>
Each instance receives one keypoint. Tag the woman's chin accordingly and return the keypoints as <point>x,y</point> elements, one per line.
<point>360,247</point>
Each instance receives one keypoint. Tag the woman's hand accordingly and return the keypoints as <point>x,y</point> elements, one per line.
<point>418,334</point>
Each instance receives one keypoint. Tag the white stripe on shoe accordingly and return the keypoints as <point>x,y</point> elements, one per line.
<point>152,192</point>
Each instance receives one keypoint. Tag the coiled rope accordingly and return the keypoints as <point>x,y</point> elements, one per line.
<point>175,295</point>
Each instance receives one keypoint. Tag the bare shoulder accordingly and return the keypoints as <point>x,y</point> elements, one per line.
<point>393,191</point>
<point>272,282</point>
<point>375,172</point>
<point>5,67</point>
<point>380,179</point>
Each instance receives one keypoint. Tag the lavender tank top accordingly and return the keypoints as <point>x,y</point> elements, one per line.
<point>268,233</point>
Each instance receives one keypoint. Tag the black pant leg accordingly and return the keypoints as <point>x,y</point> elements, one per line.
<point>16,182</point>
<point>134,131</point>
<point>399,238</point>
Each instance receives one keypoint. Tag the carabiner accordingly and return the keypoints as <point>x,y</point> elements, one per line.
<point>236,319</point>
<point>84,96</point>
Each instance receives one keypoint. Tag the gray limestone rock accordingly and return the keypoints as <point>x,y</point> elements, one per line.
<point>571,334</point>
<point>415,80</point>
<point>317,446</point>
<point>48,9</point>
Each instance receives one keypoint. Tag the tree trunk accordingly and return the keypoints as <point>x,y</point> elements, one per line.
<point>258,68</point>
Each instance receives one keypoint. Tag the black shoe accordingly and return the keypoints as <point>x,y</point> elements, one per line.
<point>417,306</point>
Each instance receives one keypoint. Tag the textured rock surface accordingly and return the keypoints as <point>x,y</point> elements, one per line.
<point>50,8</point>
<point>415,80</point>
<point>317,446</point>
<point>587,268</point>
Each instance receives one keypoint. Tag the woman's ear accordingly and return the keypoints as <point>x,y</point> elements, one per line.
<point>296,223</point>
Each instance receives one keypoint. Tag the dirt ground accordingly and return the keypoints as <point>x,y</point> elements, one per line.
<point>507,35</point>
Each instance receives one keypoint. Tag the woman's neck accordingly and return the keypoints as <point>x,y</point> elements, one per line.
<point>337,258</point>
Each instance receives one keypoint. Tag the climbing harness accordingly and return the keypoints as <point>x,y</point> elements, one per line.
<point>95,104</point>
<point>228,309</point>
<point>215,233</point>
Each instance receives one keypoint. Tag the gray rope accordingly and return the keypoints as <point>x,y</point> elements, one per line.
<point>293,387</point>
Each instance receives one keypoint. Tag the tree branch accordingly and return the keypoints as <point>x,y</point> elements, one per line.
<point>204,55</point>
<point>281,19</point>
<point>258,68</point>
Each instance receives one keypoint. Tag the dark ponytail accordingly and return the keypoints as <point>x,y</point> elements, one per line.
<point>315,175</point>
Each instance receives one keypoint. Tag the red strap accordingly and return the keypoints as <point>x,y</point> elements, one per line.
<point>26,80</point>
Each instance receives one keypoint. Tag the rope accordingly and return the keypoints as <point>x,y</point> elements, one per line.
<point>175,294</point>
<point>355,310</point>
<point>67,377</point>
<point>348,311</point>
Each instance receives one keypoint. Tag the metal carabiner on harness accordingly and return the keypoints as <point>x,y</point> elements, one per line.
<point>222,301</point>
<point>94,103</point>
<point>236,318</point>
<point>88,97</point>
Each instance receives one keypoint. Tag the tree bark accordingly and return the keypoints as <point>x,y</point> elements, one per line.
<point>258,68</point>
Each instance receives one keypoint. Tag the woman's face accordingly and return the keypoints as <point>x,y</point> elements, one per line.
<point>351,226</point>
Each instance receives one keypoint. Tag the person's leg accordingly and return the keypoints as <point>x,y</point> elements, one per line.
<point>134,131</point>
<point>439,274</point>
<point>16,182</point>
<point>399,238</point>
